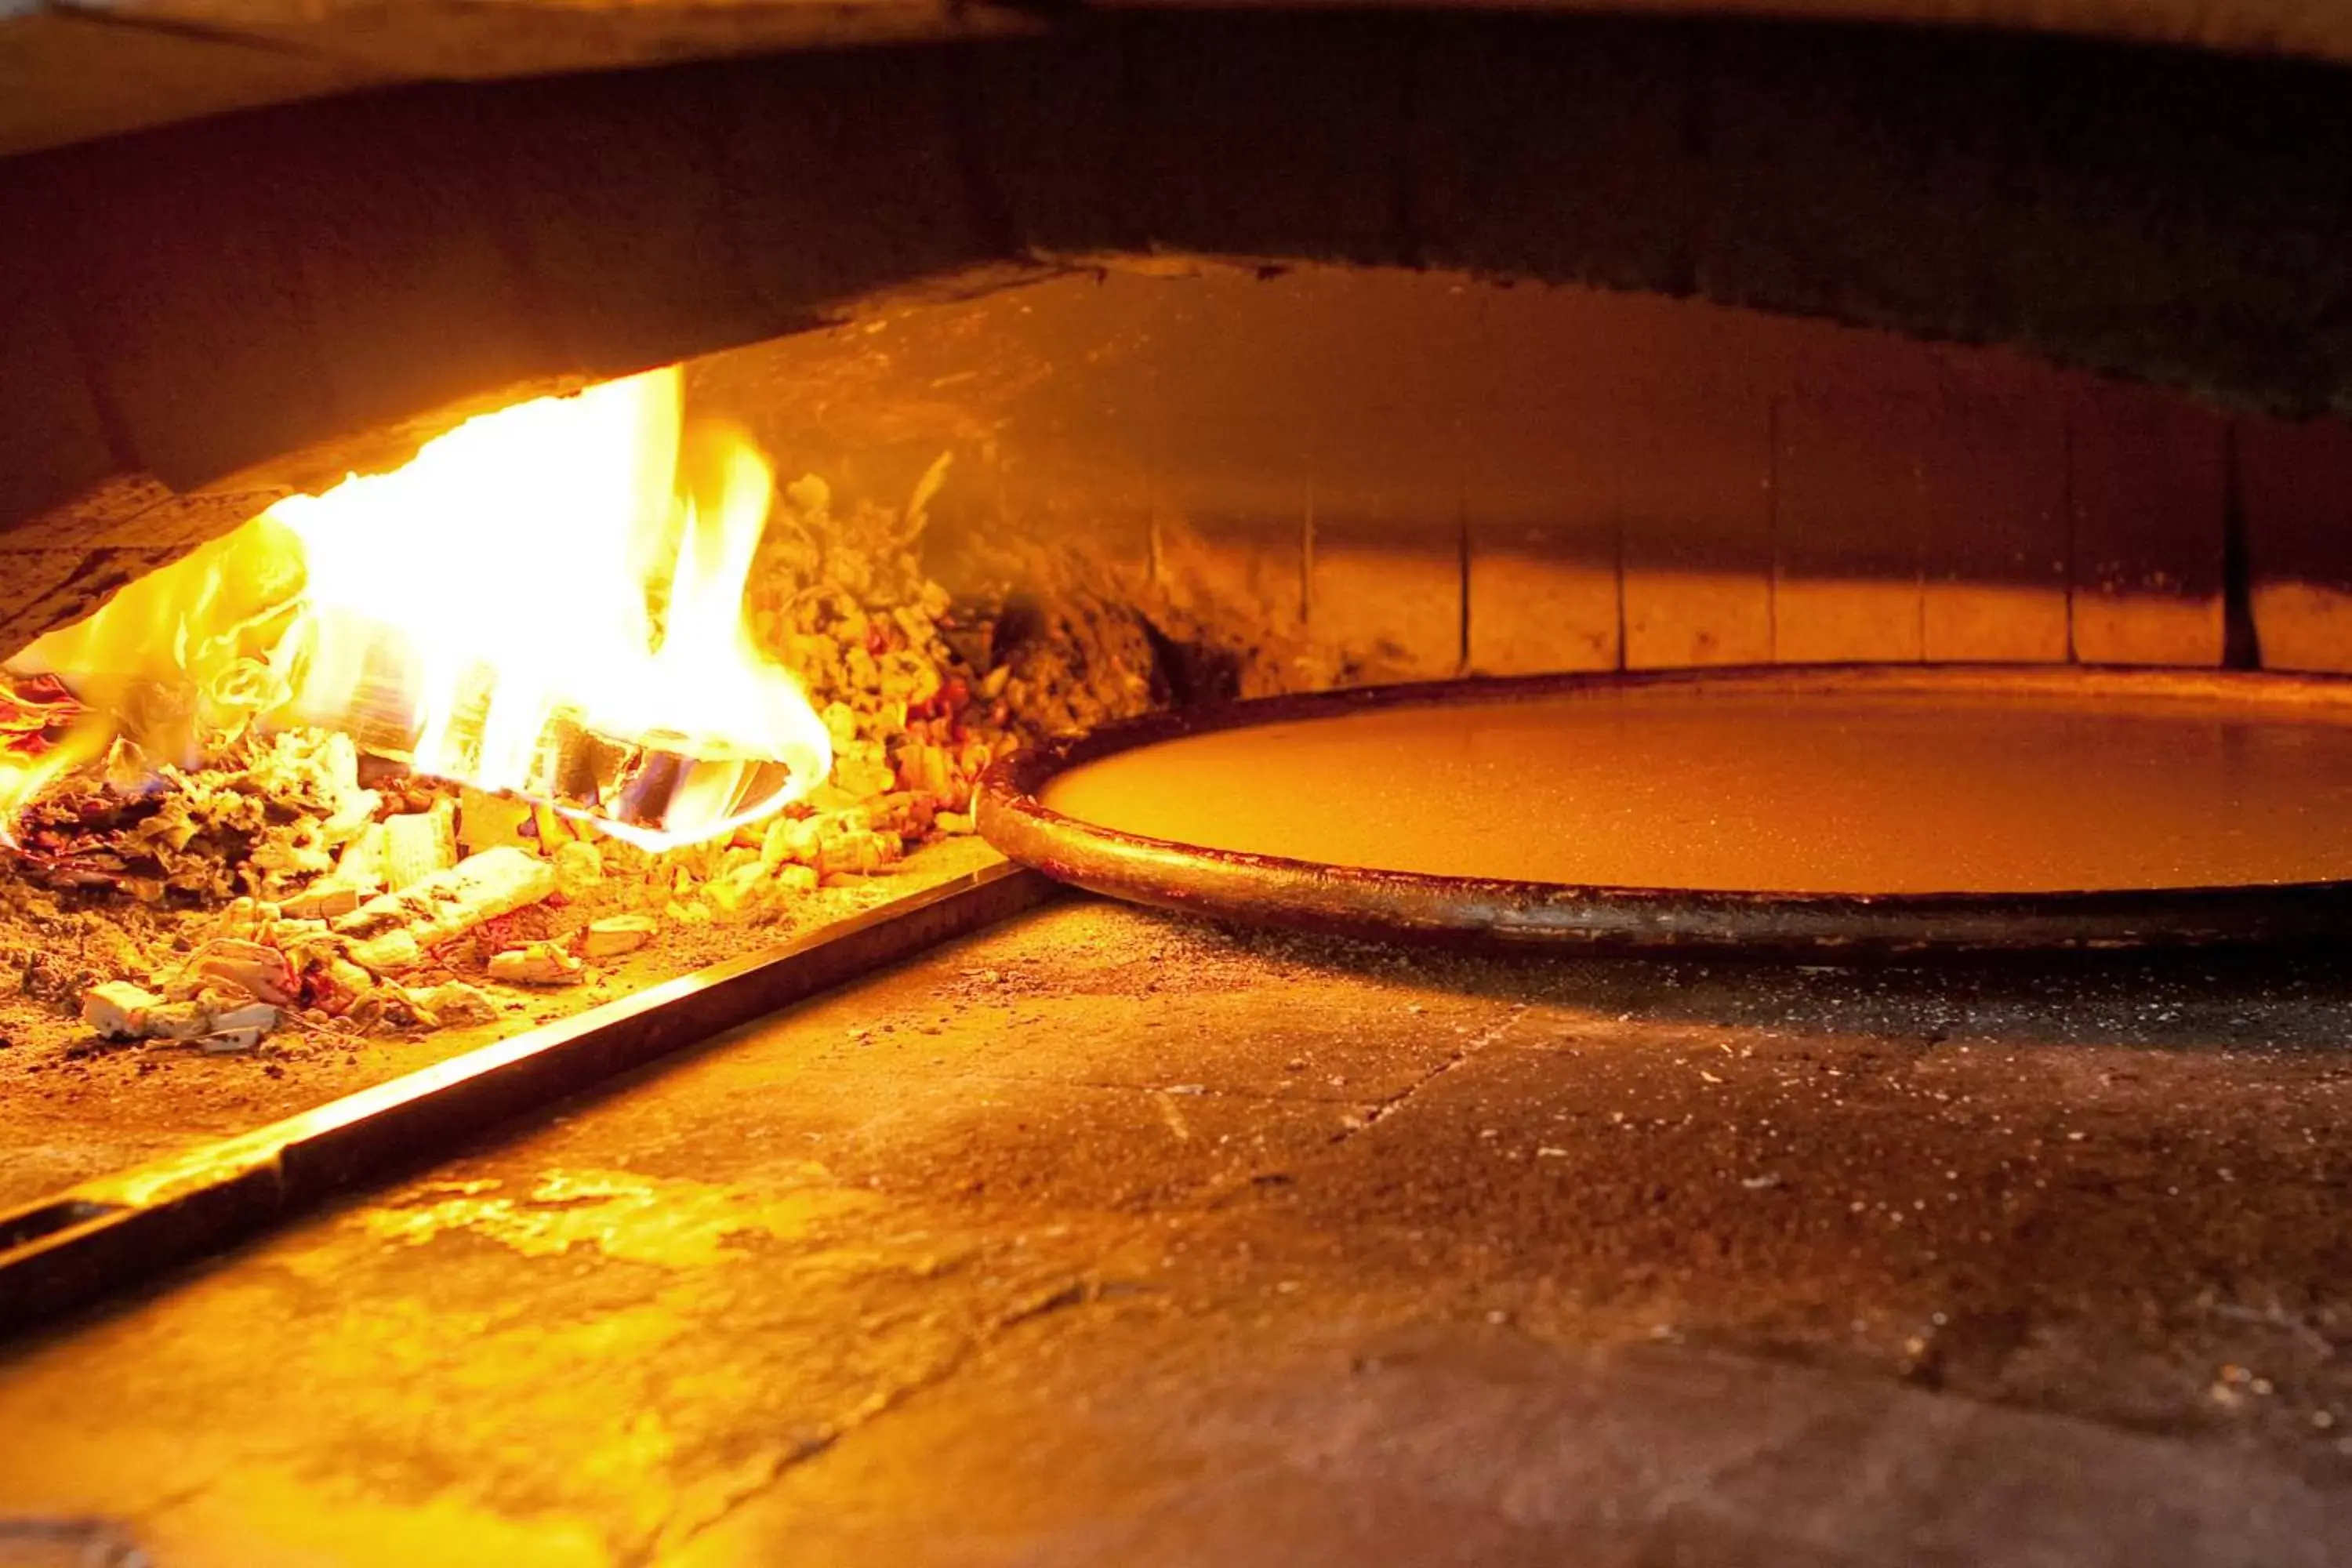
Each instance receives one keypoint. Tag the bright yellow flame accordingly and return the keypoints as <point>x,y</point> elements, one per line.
<point>540,603</point>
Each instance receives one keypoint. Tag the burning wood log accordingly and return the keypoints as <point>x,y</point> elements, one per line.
<point>390,932</point>
<point>254,968</point>
<point>344,895</point>
<point>419,844</point>
<point>651,787</point>
<point>322,900</point>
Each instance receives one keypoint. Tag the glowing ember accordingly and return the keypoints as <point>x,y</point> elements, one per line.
<point>547,601</point>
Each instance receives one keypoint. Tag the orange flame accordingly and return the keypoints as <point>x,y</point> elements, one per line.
<point>540,602</point>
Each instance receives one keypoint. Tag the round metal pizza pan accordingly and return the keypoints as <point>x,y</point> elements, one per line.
<point>1947,809</point>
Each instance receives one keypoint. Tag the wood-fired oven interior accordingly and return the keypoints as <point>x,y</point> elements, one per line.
<point>1058,370</point>
<point>1079,498</point>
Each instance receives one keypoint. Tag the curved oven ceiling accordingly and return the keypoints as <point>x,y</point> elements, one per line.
<point>183,303</point>
<point>82,68</point>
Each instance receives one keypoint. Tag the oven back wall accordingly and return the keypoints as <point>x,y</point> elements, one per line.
<point>1422,475</point>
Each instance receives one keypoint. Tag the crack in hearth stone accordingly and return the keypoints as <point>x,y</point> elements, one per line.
<point>1382,1109</point>
<point>675,1534</point>
<point>1162,1090</point>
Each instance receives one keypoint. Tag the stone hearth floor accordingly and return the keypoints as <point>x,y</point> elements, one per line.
<point>1106,1237</point>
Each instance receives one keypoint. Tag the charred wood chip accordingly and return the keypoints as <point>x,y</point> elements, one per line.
<point>615,936</point>
<point>452,1002</point>
<point>390,932</point>
<point>538,963</point>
